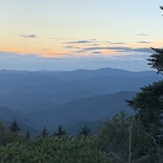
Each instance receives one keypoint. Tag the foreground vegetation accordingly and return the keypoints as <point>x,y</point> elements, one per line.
<point>123,139</point>
<point>54,150</point>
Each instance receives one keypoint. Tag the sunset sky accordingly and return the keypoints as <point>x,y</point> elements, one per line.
<point>79,34</point>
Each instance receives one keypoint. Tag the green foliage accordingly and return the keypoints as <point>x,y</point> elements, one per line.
<point>149,106</point>
<point>149,102</point>
<point>156,60</point>
<point>142,144</point>
<point>27,135</point>
<point>45,132</point>
<point>114,137</point>
<point>85,131</point>
<point>6,136</point>
<point>123,136</point>
<point>14,127</point>
<point>54,150</point>
<point>61,132</point>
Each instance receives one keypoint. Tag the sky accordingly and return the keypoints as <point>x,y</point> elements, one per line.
<point>79,34</point>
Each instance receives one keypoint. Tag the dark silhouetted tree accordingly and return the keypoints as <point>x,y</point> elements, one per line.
<point>85,131</point>
<point>149,106</point>
<point>61,132</point>
<point>156,60</point>
<point>45,132</point>
<point>149,102</point>
<point>27,135</point>
<point>14,127</point>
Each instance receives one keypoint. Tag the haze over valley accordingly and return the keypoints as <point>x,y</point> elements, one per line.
<point>51,98</point>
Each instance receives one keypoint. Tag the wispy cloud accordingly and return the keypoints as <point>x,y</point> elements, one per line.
<point>71,47</point>
<point>142,34</point>
<point>97,52</point>
<point>79,42</point>
<point>144,42</point>
<point>117,43</point>
<point>144,50</point>
<point>93,42</point>
<point>91,46</point>
<point>29,36</point>
<point>119,49</point>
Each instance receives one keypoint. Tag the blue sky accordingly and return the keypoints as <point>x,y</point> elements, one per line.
<point>73,34</point>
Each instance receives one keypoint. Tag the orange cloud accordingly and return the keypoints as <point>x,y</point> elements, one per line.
<point>42,53</point>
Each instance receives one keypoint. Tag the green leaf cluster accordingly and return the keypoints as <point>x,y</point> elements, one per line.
<point>156,60</point>
<point>114,138</point>
<point>7,136</point>
<point>54,150</point>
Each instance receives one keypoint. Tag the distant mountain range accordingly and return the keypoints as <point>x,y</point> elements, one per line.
<point>47,98</point>
<point>86,109</point>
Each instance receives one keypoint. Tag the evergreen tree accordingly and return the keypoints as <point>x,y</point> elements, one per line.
<point>85,131</point>
<point>113,137</point>
<point>156,60</point>
<point>149,102</point>
<point>45,132</point>
<point>3,134</point>
<point>14,127</point>
<point>27,135</point>
<point>149,106</point>
<point>61,132</point>
<point>125,140</point>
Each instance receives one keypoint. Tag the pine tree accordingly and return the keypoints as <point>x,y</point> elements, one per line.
<point>61,132</point>
<point>14,127</point>
<point>85,131</point>
<point>149,102</point>
<point>45,132</point>
<point>156,60</point>
<point>27,135</point>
